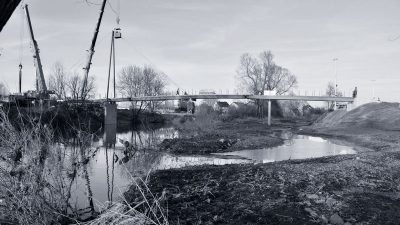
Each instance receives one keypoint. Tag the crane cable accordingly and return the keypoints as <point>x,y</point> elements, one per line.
<point>116,11</point>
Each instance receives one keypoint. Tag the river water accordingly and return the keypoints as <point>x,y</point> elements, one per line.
<point>109,172</point>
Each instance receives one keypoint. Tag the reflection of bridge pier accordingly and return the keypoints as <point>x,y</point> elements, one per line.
<point>110,135</point>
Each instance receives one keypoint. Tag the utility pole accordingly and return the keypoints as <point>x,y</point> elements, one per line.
<point>20,79</point>
<point>115,34</point>
<point>91,50</point>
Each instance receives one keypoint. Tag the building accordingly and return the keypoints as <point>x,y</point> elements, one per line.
<point>209,102</point>
<point>221,106</point>
<point>237,105</point>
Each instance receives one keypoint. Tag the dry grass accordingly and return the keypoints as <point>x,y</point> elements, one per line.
<point>145,210</point>
<point>30,197</point>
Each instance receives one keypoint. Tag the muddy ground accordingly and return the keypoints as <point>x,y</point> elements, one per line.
<point>348,189</point>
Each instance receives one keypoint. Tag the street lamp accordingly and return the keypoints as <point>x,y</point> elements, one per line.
<point>335,61</point>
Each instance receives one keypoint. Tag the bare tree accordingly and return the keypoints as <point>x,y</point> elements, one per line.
<point>259,74</point>
<point>74,86</point>
<point>135,81</point>
<point>58,80</point>
<point>330,91</point>
<point>3,89</point>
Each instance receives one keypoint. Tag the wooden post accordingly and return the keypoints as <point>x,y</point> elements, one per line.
<point>269,112</point>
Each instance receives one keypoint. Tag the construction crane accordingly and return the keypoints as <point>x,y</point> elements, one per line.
<point>41,87</point>
<point>91,51</point>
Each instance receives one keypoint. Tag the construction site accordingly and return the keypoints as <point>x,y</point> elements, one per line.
<point>111,138</point>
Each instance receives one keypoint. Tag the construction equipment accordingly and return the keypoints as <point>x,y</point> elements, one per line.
<point>91,51</point>
<point>41,88</point>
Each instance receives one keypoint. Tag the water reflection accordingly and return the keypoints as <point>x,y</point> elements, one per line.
<point>105,169</point>
<point>299,147</point>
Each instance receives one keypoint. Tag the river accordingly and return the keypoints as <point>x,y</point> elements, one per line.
<point>109,172</point>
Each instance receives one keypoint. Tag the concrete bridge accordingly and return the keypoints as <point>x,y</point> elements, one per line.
<point>111,108</point>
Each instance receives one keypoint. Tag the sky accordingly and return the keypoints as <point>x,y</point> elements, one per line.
<point>198,43</point>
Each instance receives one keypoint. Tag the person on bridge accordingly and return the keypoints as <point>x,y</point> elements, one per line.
<point>355,92</point>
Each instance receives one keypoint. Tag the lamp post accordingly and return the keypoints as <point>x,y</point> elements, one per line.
<point>335,61</point>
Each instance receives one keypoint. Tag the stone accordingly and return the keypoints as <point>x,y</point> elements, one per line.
<point>330,202</point>
<point>312,196</point>
<point>335,219</point>
<point>347,223</point>
<point>312,212</point>
<point>324,219</point>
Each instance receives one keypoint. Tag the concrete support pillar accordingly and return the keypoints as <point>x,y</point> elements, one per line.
<point>110,113</point>
<point>269,112</point>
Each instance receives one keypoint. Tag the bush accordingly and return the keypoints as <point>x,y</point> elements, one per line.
<point>250,110</point>
<point>204,121</point>
<point>242,111</point>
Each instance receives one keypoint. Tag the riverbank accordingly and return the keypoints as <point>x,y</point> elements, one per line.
<point>345,189</point>
<point>358,189</point>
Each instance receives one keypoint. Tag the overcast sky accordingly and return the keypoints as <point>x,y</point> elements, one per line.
<point>198,43</point>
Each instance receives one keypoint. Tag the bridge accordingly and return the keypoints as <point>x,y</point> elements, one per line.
<point>111,107</point>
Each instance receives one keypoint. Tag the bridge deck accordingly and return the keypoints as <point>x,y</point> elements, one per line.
<point>262,97</point>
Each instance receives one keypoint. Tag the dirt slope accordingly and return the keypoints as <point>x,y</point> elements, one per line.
<point>380,116</point>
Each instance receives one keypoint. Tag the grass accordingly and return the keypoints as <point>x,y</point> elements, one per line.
<point>145,209</point>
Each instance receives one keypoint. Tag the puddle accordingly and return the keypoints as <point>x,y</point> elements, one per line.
<point>299,147</point>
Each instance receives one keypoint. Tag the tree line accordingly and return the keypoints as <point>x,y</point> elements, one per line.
<point>255,74</point>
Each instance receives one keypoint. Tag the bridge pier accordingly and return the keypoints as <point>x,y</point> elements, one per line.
<point>110,113</point>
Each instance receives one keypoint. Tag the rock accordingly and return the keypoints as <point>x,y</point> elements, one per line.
<point>2,202</point>
<point>215,218</point>
<point>347,223</point>
<point>335,219</point>
<point>324,219</point>
<point>312,196</point>
<point>330,202</point>
<point>312,212</point>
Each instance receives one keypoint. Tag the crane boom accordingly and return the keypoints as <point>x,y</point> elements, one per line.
<point>41,87</point>
<point>91,51</point>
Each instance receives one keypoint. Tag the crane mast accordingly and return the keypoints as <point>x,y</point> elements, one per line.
<point>91,51</point>
<point>41,87</point>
